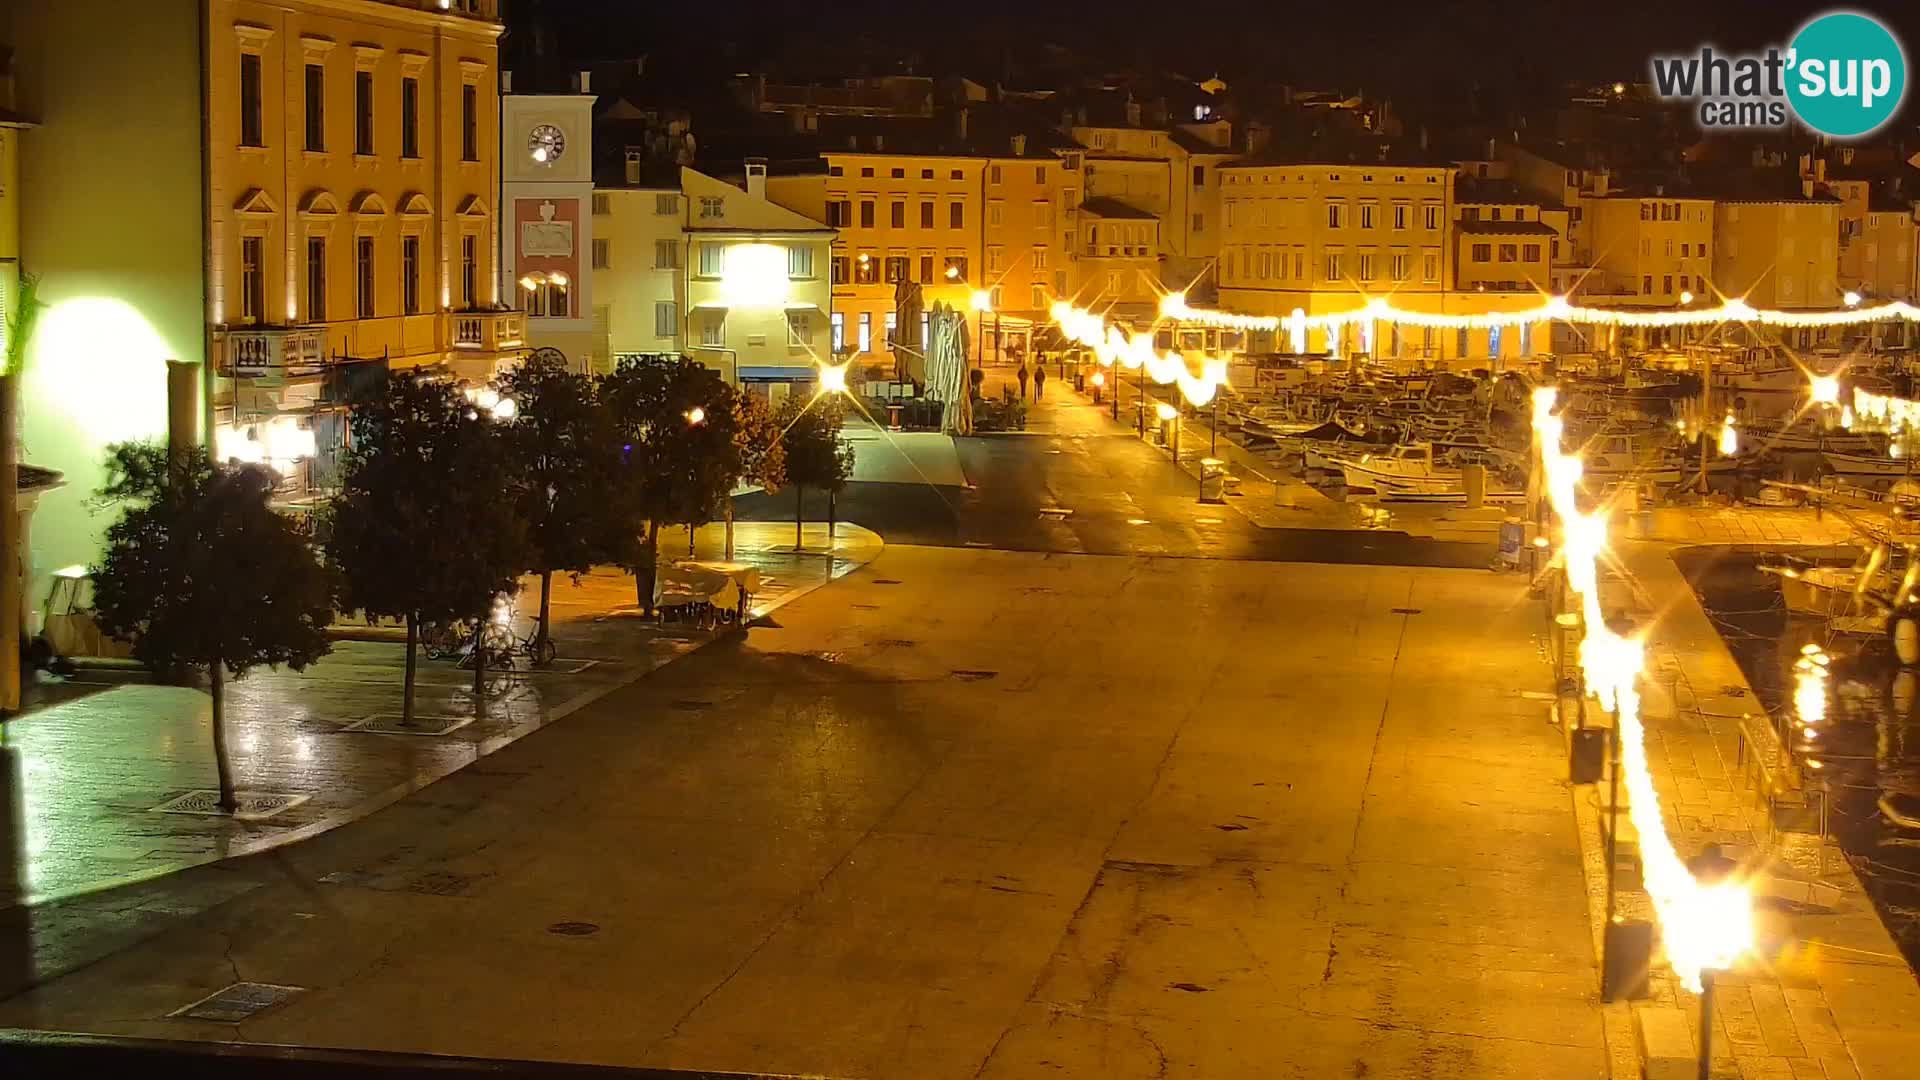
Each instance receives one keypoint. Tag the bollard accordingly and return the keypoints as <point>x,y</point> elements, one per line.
<point>1474,479</point>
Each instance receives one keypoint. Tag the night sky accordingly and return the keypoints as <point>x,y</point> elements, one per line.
<point>1391,46</point>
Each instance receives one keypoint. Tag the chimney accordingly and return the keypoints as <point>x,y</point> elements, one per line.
<point>1080,117</point>
<point>757,177</point>
<point>584,83</point>
<point>633,166</point>
<point>1133,114</point>
<point>1019,146</point>
<point>506,81</point>
<point>960,124</point>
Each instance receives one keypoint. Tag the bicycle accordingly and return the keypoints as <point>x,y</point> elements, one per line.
<point>497,646</point>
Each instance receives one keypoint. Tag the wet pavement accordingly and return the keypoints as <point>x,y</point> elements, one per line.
<point>1087,486</point>
<point>1117,817</point>
<point>90,772</point>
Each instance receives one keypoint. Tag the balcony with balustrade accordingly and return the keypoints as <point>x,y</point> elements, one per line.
<point>488,331</point>
<point>273,354</point>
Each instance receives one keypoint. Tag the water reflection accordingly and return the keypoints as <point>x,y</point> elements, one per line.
<point>16,919</point>
<point>1864,753</point>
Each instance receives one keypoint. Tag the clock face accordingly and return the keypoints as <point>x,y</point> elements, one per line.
<point>545,144</point>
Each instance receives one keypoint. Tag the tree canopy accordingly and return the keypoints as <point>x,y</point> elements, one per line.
<point>427,525</point>
<point>200,570</point>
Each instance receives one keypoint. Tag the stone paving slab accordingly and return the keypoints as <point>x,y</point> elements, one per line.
<point>85,773</point>
<point>1831,997</point>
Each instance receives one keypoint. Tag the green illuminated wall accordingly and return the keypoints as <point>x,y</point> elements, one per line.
<point>111,205</point>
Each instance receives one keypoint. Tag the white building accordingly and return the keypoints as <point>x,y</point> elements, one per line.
<point>548,246</point>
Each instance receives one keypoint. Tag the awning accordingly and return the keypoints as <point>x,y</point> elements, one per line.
<point>777,373</point>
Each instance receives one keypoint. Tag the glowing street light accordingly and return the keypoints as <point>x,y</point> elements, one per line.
<point>982,300</point>
<point>505,409</point>
<point>1825,389</point>
<point>833,377</point>
<point>1686,298</point>
<point>953,273</point>
<point>1852,298</point>
<point>696,415</point>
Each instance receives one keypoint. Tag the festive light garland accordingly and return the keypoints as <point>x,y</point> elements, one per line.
<point>1704,926</point>
<point>1135,352</point>
<point>1555,309</point>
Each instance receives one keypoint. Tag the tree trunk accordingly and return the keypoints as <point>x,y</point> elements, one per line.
<point>649,569</point>
<point>546,613</point>
<point>799,507</point>
<point>221,766</point>
<point>406,697</point>
<point>480,661</point>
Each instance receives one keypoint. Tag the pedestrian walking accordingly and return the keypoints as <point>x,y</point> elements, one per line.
<point>1022,376</point>
<point>1039,381</point>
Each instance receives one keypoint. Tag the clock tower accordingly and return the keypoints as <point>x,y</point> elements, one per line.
<point>546,199</point>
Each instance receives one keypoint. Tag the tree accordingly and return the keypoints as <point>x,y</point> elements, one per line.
<point>756,436</point>
<point>200,571</point>
<point>563,448</point>
<point>427,524</point>
<point>815,455</point>
<point>676,424</point>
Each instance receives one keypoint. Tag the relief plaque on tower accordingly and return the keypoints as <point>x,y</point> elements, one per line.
<point>546,236</point>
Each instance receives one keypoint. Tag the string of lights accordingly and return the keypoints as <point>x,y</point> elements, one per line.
<point>1555,309</point>
<point>1703,926</point>
<point>1135,351</point>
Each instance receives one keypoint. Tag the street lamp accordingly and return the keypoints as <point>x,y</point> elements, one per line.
<point>982,302</point>
<point>1852,298</point>
<point>696,415</point>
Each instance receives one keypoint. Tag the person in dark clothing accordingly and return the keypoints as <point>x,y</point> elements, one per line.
<point>1022,376</point>
<point>1039,381</point>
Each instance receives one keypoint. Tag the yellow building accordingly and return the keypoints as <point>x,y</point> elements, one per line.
<point>1172,174</point>
<point>1778,252</point>
<point>956,224</point>
<point>1331,238</point>
<point>758,302</point>
<point>1877,246</point>
<point>641,275</point>
<point>324,197</point>
<point>1649,251</point>
<point>1502,242</point>
<point>353,171</point>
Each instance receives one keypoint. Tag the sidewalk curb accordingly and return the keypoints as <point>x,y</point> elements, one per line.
<point>245,844</point>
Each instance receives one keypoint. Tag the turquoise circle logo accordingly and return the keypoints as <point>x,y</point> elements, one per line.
<point>1846,74</point>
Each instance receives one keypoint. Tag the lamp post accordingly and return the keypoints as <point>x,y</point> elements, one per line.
<point>695,417</point>
<point>982,302</point>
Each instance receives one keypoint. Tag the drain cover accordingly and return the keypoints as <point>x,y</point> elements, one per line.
<point>238,1002</point>
<point>254,805</point>
<point>885,581</point>
<point>574,929</point>
<point>1057,513</point>
<point>392,724</point>
<point>898,643</point>
<point>1406,611</point>
<point>972,674</point>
